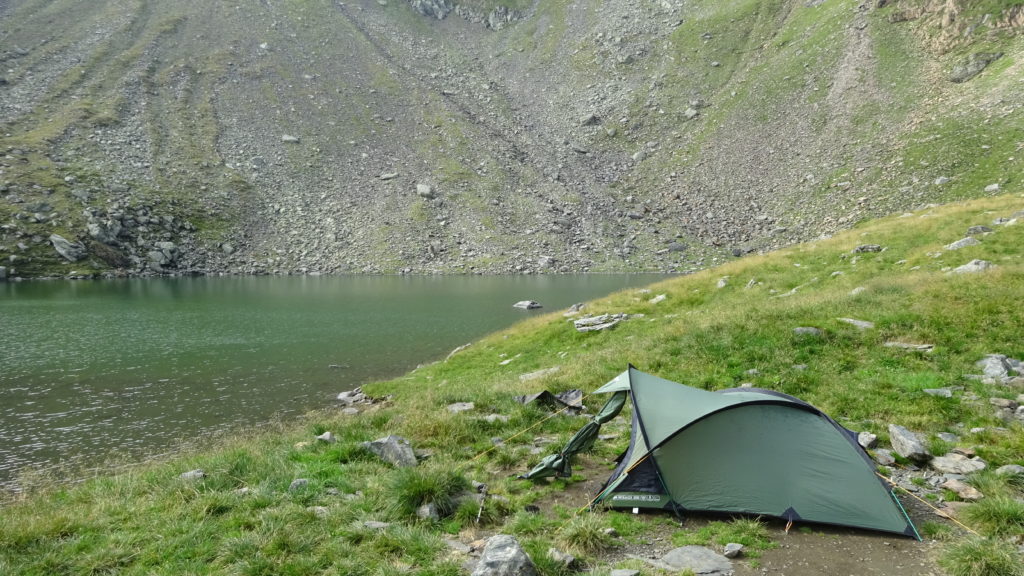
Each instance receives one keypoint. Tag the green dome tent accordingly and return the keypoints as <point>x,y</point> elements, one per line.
<point>741,450</point>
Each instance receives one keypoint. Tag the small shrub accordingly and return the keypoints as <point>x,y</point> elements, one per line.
<point>997,515</point>
<point>981,557</point>
<point>585,534</point>
<point>413,487</point>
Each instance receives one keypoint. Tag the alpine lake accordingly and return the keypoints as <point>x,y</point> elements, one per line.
<point>97,371</point>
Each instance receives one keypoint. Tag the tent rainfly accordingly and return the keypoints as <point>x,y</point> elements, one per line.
<point>742,450</point>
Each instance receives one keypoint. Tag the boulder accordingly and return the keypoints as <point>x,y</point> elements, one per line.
<point>393,449</point>
<point>907,444</point>
<point>71,251</point>
<point>867,440</point>
<point>527,305</point>
<point>432,8</point>
<point>972,66</point>
<point>963,243</point>
<point>962,489</point>
<point>733,550</point>
<point>1010,470</point>
<point>975,230</point>
<point>973,266</point>
<point>503,556</point>
<point>698,559</point>
<point>954,463</point>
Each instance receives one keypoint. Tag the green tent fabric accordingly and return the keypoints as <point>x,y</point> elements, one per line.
<point>560,464</point>
<point>747,451</point>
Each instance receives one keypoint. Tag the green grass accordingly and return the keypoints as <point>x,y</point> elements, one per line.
<point>242,518</point>
<point>981,557</point>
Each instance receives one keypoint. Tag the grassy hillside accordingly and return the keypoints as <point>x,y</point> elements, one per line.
<point>716,329</point>
<point>293,137</point>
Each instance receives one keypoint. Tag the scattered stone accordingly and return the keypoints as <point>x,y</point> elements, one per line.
<point>375,525</point>
<point>996,366</point>
<point>733,550</point>
<point>327,437</point>
<point>867,440</point>
<point>349,411</point>
<point>862,324</point>
<point>197,474</point>
<point>425,191</point>
<point>610,532</point>
<point>952,510</point>
<point>657,299</point>
<point>866,248</point>
<point>722,282</point>
<point>972,66</point>
<point>457,547</point>
<point>964,243</point>
<point>926,348</point>
<point>690,113</point>
<point>954,463</point>
<point>941,180</point>
<point>561,558</point>
<point>574,309</point>
<point>289,139</point>
<point>72,252</point>
<point>492,418</point>
<point>948,437</point>
<point>428,512</point>
<point>907,444</point>
<point>393,449</point>
<point>597,323</point>
<point>527,305</point>
<point>298,484</point>
<point>590,120</point>
<point>351,397</point>
<point>940,392</point>
<point>319,511</point>
<point>992,188</point>
<point>963,490</point>
<point>503,556</point>
<point>700,560</point>
<point>973,266</point>
<point>1010,470</point>
<point>807,331</point>
<point>389,176</point>
<point>539,374</point>
<point>3,273</point>
<point>857,290</point>
<point>625,572</point>
<point>976,230</point>
<point>883,457</point>
<point>461,407</point>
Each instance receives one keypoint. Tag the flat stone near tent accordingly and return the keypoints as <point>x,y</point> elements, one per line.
<point>527,305</point>
<point>698,559</point>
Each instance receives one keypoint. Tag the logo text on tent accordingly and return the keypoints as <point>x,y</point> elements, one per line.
<point>640,497</point>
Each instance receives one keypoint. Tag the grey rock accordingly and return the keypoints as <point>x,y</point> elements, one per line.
<point>197,474</point>
<point>862,324</point>
<point>867,248</point>
<point>428,512</point>
<point>625,572</point>
<point>432,8</point>
<point>527,305</point>
<point>457,547</point>
<point>926,348</point>
<point>907,444</point>
<point>690,113</point>
<point>976,230</point>
<point>319,511</point>
<point>948,437</point>
<point>941,180</point>
<point>3,273</point>
<point>289,139</point>
<point>503,556</point>
<point>962,489</point>
<point>393,449</point>
<point>954,463</point>
<point>1010,470</point>
<point>857,290</point>
<point>940,392</point>
<point>389,176</point>
<point>698,559</point>
<point>973,266</point>
<point>807,331</point>
<point>883,457</point>
<point>492,418</point>
<point>973,65</point>
<point>598,323</point>
<point>995,366</point>
<point>963,243</point>
<point>867,440</point>
<point>425,191</point>
<point>590,120</point>
<point>657,299</point>
<point>327,437</point>
<point>461,407</point>
<point>733,550</point>
<point>71,251</point>
<point>563,558</point>
<point>376,525</point>
<point>298,484</point>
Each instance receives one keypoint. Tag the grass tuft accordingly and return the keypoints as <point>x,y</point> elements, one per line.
<point>982,557</point>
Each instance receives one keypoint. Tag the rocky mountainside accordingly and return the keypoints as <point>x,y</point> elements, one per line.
<point>486,136</point>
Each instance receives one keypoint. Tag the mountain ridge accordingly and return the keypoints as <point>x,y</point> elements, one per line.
<point>522,137</point>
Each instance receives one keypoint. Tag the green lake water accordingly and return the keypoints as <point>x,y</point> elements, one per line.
<point>93,369</point>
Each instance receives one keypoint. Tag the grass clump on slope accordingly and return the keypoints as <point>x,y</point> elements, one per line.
<point>716,329</point>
